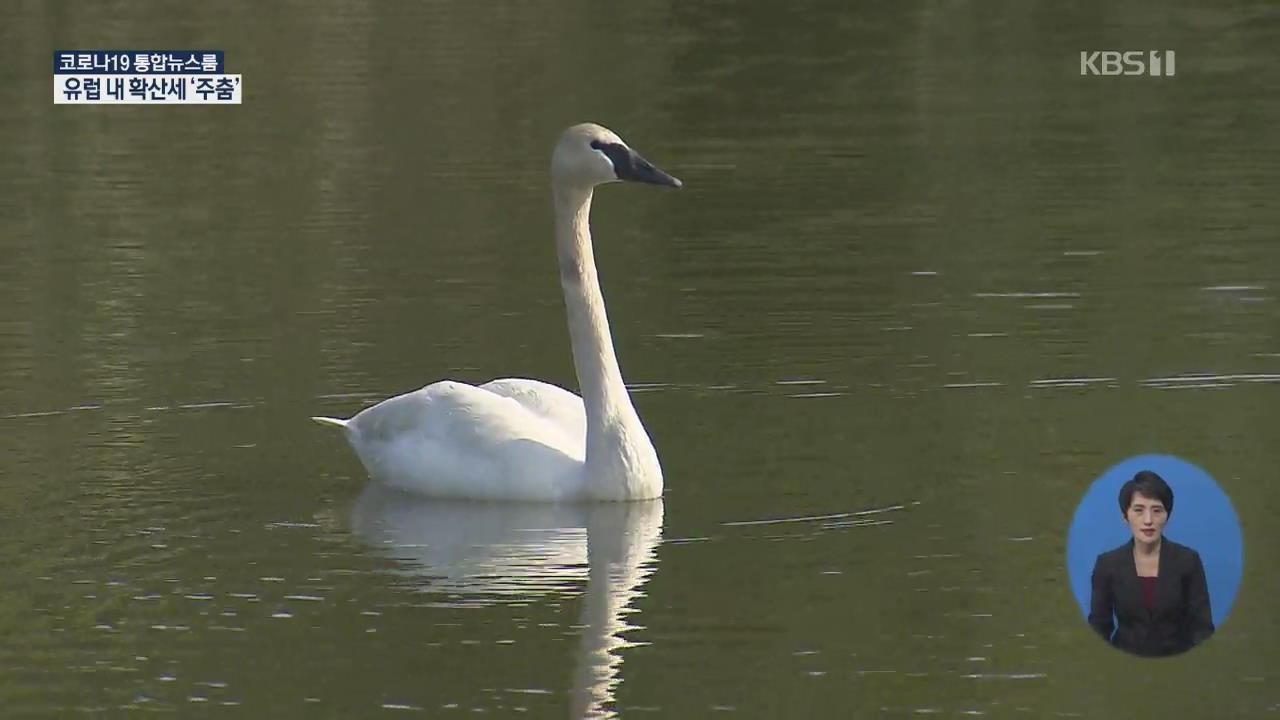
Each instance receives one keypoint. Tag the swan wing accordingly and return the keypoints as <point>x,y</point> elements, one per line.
<point>557,405</point>
<point>451,439</point>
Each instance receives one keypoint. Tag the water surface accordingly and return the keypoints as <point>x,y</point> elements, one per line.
<point>923,285</point>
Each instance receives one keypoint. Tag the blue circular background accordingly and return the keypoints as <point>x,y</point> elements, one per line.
<point>1202,519</point>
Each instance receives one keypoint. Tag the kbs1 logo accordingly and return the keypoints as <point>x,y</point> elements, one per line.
<point>1134,62</point>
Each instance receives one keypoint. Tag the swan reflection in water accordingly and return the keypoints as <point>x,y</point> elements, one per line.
<point>482,552</point>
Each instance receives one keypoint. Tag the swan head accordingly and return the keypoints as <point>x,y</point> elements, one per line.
<point>588,155</point>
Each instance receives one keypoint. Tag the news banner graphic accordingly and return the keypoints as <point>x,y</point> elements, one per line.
<point>143,77</point>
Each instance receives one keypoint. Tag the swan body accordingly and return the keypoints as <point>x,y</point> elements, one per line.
<point>519,439</point>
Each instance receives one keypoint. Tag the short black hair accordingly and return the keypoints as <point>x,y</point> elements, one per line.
<point>1149,484</point>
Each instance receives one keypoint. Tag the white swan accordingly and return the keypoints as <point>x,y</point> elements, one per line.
<point>517,439</point>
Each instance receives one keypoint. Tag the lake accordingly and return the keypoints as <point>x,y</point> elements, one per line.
<point>925,282</point>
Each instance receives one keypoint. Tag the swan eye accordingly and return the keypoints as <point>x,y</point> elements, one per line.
<point>596,144</point>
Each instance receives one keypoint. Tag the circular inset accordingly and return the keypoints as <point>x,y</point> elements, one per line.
<point>1202,519</point>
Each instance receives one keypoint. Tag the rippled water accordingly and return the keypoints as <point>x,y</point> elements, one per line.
<point>923,285</point>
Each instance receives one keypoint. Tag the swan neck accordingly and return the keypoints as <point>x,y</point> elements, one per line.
<point>599,377</point>
<point>619,460</point>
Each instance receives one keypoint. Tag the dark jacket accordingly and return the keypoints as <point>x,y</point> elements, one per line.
<point>1181,618</point>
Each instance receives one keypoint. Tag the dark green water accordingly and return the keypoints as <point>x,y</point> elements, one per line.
<point>920,267</point>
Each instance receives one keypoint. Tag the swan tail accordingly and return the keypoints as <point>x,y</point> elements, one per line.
<point>344,424</point>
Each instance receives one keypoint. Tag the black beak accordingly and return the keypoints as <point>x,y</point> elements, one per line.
<point>628,165</point>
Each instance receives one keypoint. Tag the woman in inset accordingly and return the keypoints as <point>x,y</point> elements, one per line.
<point>1155,587</point>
